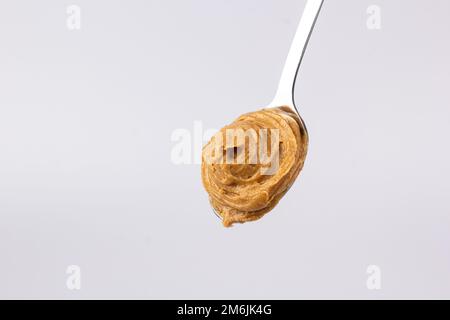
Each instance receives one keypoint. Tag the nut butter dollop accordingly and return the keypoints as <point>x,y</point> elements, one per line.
<point>243,185</point>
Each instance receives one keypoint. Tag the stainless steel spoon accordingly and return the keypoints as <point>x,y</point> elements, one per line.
<point>285,93</point>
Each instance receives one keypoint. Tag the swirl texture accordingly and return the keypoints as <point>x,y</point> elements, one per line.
<point>241,189</point>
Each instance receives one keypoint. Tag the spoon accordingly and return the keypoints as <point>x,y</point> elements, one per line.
<point>285,93</point>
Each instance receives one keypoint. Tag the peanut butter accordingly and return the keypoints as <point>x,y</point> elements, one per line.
<point>244,185</point>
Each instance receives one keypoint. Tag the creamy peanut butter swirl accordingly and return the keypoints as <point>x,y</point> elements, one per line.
<point>243,185</point>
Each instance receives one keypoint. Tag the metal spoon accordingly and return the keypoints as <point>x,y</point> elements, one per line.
<point>285,92</point>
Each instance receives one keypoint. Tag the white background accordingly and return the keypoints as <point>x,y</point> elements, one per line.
<point>86,176</point>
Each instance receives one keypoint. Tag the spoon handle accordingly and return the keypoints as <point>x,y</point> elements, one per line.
<point>285,92</point>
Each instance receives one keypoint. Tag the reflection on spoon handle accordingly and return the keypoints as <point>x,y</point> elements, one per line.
<point>285,93</point>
